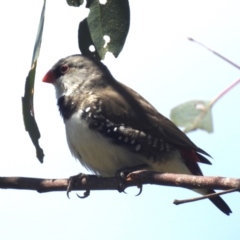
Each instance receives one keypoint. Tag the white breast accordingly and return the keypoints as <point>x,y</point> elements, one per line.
<point>96,152</point>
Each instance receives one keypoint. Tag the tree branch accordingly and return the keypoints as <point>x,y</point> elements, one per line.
<point>92,182</point>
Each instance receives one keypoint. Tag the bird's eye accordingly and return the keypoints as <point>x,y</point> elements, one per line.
<point>64,68</point>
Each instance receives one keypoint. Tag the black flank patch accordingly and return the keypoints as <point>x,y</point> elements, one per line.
<point>67,107</point>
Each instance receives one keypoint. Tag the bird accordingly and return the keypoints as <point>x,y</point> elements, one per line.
<point>110,127</point>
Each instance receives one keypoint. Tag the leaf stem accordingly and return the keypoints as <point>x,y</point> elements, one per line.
<point>227,60</point>
<point>224,92</point>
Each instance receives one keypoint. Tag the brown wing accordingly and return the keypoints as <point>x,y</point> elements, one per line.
<point>126,106</point>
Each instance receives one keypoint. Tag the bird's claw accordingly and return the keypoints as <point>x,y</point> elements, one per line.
<point>85,194</point>
<point>140,186</point>
<point>121,187</point>
<point>70,184</point>
<point>72,180</point>
<point>124,172</point>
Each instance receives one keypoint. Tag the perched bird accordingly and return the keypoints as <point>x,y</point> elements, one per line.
<point>110,127</point>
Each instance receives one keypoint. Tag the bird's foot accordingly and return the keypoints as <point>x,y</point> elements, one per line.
<point>122,174</point>
<point>73,180</point>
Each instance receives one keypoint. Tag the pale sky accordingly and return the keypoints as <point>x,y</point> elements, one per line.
<point>163,66</point>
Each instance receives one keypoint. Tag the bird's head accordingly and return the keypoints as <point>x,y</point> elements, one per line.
<point>75,72</point>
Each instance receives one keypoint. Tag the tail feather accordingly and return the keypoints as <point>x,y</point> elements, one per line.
<point>191,158</point>
<point>202,159</point>
<point>219,203</point>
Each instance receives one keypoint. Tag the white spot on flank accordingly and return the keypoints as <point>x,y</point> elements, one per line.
<point>108,131</point>
<point>138,147</point>
<point>115,129</point>
<point>121,128</point>
<point>87,109</point>
<point>142,134</point>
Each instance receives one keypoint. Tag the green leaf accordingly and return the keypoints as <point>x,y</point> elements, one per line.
<point>86,41</point>
<point>75,3</point>
<point>28,112</point>
<point>38,40</point>
<point>27,100</point>
<point>111,19</point>
<point>193,115</point>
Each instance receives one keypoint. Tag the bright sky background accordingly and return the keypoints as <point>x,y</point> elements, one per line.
<point>162,65</point>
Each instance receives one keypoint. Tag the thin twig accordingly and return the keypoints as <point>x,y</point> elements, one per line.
<point>177,202</point>
<point>219,55</point>
<point>227,60</point>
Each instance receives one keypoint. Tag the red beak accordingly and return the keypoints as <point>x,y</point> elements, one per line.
<point>49,77</point>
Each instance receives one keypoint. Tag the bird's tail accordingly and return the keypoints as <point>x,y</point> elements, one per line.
<point>191,159</point>
<point>219,203</point>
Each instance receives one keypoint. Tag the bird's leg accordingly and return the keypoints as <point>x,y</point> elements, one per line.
<point>74,179</point>
<point>122,173</point>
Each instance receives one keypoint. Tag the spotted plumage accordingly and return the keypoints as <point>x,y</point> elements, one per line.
<point>117,133</point>
<point>109,126</point>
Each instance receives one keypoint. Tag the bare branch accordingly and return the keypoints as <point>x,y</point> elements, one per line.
<point>137,178</point>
